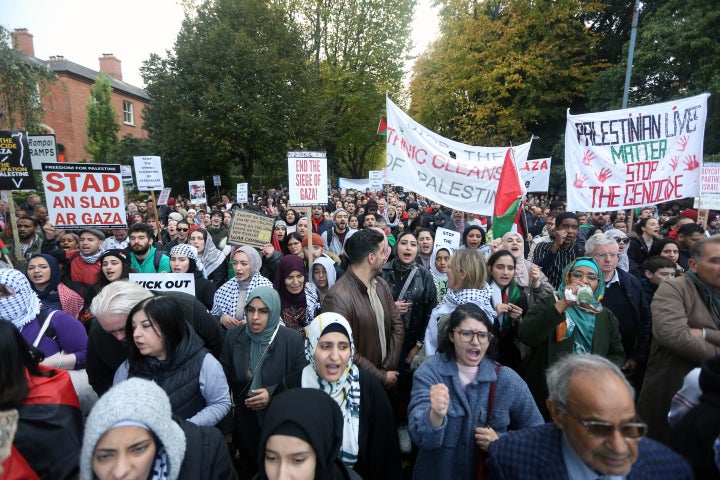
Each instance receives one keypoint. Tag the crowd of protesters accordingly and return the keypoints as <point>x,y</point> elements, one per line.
<point>352,345</point>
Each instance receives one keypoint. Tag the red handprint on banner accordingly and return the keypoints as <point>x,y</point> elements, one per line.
<point>604,174</point>
<point>682,143</point>
<point>580,180</point>
<point>588,158</point>
<point>674,160</point>
<point>691,162</point>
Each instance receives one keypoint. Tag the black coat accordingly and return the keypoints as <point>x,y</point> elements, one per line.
<point>207,456</point>
<point>379,451</point>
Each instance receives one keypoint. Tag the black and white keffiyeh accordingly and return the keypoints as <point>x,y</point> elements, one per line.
<point>22,307</point>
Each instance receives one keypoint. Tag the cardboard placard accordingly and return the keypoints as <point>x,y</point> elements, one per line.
<point>84,195</point>
<point>250,228</point>
<point>16,171</point>
<point>166,282</point>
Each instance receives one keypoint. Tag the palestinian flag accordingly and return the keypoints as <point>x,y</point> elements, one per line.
<point>507,200</point>
<point>382,127</point>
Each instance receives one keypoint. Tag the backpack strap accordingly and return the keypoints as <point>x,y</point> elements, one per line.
<point>44,319</point>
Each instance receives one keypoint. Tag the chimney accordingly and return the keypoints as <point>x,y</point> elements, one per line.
<point>23,42</point>
<point>109,65</point>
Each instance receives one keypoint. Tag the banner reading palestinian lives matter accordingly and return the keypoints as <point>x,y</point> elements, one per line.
<point>84,195</point>
<point>635,157</point>
<point>456,175</point>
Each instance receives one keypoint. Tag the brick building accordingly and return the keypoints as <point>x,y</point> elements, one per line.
<point>65,105</point>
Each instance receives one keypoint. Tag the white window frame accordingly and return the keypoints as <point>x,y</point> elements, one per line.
<point>128,113</point>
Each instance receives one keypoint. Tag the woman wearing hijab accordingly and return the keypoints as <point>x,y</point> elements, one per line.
<point>324,276</point>
<point>45,277</point>
<point>212,260</point>
<point>391,216</point>
<point>230,299</point>
<point>439,264</point>
<point>131,434</point>
<point>370,444</point>
<point>558,325</point>
<point>301,436</point>
<point>256,357</point>
<point>184,259</point>
<point>527,274</point>
<point>298,298</point>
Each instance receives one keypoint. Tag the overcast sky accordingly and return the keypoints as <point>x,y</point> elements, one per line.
<point>82,30</point>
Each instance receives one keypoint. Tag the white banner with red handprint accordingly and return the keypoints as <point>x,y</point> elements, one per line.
<point>634,157</point>
<point>459,176</point>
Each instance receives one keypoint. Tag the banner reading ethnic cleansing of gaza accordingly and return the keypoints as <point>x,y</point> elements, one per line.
<point>634,157</point>
<point>422,161</point>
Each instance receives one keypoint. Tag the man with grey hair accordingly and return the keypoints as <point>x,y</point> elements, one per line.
<point>107,342</point>
<point>624,297</point>
<point>595,432</point>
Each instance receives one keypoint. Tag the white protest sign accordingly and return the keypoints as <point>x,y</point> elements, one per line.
<point>376,179</point>
<point>126,171</point>
<point>42,150</point>
<point>164,195</point>
<point>217,181</point>
<point>197,192</point>
<point>710,188</point>
<point>242,193</point>
<point>634,157</point>
<point>459,176</point>
<point>447,238</point>
<point>148,173</point>
<point>535,175</point>
<point>84,195</point>
<point>166,282</point>
<point>307,175</point>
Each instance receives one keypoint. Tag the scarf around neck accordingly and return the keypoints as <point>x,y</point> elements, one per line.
<point>712,299</point>
<point>22,307</point>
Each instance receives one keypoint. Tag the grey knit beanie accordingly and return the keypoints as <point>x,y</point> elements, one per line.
<point>140,401</point>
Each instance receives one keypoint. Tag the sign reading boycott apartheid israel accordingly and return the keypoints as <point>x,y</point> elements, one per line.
<point>15,165</point>
<point>634,157</point>
<point>84,195</point>
<point>456,175</point>
<point>250,228</point>
<point>307,175</point>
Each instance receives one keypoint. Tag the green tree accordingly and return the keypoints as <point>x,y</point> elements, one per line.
<point>102,123</point>
<point>22,81</point>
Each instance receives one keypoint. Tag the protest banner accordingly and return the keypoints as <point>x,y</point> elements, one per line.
<point>148,174</point>
<point>16,171</point>
<point>447,238</point>
<point>376,180</point>
<point>164,195</point>
<point>459,176</point>
<point>710,188</point>
<point>126,171</point>
<point>535,174</point>
<point>307,175</point>
<point>638,156</point>
<point>197,192</point>
<point>250,228</point>
<point>42,150</point>
<point>84,195</point>
<point>242,193</point>
<point>166,282</point>
<point>360,184</point>
<point>217,181</point>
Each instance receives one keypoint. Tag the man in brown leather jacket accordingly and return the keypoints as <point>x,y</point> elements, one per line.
<point>365,300</point>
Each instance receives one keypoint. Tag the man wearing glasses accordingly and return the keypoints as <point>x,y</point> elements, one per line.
<point>624,297</point>
<point>595,432</point>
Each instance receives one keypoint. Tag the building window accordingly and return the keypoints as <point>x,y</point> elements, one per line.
<point>128,115</point>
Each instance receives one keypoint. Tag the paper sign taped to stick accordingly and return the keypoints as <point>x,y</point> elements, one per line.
<point>166,282</point>
<point>16,171</point>
<point>42,150</point>
<point>84,195</point>
<point>242,193</point>
<point>250,228</point>
<point>710,187</point>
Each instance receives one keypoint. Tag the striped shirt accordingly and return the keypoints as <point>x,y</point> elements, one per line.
<point>553,264</point>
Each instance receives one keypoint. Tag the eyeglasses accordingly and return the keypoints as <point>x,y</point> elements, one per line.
<point>468,335</point>
<point>622,239</point>
<point>590,277</point>
<point>608,256</point>
<point>262,310</point>
<point>630,430</point>
<point>182,229</point>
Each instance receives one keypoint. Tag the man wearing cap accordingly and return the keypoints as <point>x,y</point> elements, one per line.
<point>319,223</point>
<point>217,230</point>
<point>412,223</point>
<point>335,237</point>
<point>82,264</point>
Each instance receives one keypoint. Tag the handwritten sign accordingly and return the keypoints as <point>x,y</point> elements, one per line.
<point>376,180</point>
<point>242,193</point>
<point>164,195</point>
<point>250,228</point>
<point>307,174</point>
<point>84,195</point>
<point>42,150</point>
<point>148,173</point>
<point>166,282</point>
<point>447,238</point>
<point>634,157</point>
<point>710,187</point>
<point>16,171</point>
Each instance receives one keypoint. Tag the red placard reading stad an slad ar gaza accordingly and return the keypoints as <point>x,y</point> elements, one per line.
<point>84,195</point>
